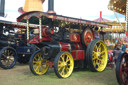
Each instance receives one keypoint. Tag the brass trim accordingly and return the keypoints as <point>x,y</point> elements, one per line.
<point>78,46</point>
<point>69,47</point>
<point>60,46</point>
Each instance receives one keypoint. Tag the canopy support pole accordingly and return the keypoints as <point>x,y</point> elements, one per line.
<point>27,29</point>
<point>40,29</point>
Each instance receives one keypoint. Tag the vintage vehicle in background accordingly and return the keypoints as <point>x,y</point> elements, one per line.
<point>13,44</point>
<point>64,43</point>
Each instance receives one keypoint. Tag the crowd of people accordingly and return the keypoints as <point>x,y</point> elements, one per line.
<point>118,47</point>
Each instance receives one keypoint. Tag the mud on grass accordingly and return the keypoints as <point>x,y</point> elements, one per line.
<point>21,75</point>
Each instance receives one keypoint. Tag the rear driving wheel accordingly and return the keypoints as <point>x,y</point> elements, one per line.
<point>97,56</point>
<point>122,69</point>
<point>38,65</point>
<point>7,58</point>
<point>63,64</point>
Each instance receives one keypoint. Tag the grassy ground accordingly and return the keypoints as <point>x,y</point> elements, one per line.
<point>21,75</point>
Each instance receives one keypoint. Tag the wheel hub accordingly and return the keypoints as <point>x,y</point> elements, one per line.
<point>8,57</point>
<point>64,64</point>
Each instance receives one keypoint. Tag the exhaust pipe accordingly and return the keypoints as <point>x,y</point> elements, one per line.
<point>51,7</point>
<point>2,4</point>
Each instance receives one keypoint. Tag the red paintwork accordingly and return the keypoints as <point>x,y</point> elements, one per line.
<point>50,63</point>
<point>74,37</point>
<point>86,37</point>
<point>45,36</point>
<point>78,54</point>
<point>64,46</point>
<point>37,40</point>
<point>77,46</point>
<point>45,31</point>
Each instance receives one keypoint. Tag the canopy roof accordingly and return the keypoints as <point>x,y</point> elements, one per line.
<point>28,15</point>
<point>118,6</point>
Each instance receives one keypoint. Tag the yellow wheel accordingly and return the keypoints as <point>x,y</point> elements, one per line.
<point>38,65</point>
<point>97,56</point>
<point>63,64</point>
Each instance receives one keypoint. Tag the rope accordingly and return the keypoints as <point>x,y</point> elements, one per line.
<point>118,19</point>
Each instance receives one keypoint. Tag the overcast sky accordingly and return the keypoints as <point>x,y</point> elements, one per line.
<point>85,9</point>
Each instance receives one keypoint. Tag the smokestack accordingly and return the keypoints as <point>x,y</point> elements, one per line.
<point>51,7</point>
<point>2,3</point>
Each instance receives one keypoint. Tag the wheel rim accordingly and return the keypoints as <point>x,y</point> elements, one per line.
<point>100,56</point>
<point>38,67</point>
<point>88,36</point>
<point>124,69</point>
<point>7,57</point>
<point>65,65</point>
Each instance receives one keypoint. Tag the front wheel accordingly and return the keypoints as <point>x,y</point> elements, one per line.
<point>63,64</point>
<point>8,58</point>
<point>38,65</point>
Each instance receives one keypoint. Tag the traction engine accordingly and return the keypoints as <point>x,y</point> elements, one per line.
<point>64,43</point>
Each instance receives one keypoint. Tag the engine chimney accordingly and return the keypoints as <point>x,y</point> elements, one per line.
<point>51,7</point>
<point>2,3</point>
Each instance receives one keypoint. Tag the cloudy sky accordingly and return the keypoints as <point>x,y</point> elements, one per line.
<point>85,9</point>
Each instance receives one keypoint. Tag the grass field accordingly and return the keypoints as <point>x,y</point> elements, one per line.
<point>21,75</point>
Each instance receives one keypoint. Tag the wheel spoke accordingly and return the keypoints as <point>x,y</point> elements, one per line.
<point>99,59</point>
<point>70,64</point>
<point>35,58</point>
<point>67,59</point>
<point>59,68</point>
<point>37,68</point>
<point>62,72</point>
<point>62,57</point>
<point>59,62</point>
<point>102,52</point>
<point>99,47</point>
<point>35,65</point>
<point>35,62</point>
<point>8,63</point>
<point>59,65</point>
<point>95,48</point>
<point>93,53</point>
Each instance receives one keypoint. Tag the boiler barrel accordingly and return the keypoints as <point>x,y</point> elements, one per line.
<point>51,49</point>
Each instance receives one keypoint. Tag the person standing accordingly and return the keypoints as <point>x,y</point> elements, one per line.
<point>116,53</point>
<point>97,35</point>
<point>123,48</point>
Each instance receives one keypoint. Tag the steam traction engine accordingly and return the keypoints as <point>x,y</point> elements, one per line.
<point>64,43</point>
